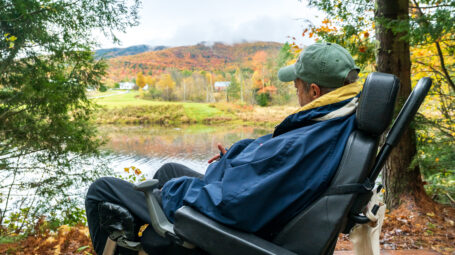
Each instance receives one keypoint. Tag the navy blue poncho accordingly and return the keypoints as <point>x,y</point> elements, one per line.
<point>272,178</point>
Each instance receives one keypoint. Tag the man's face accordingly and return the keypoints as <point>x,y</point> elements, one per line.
<point>302,94</point>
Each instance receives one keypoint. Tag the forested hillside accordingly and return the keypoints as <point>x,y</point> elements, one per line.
<point>200,57</point>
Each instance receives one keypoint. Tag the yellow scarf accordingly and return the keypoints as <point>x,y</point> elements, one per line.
<point>335,96</point>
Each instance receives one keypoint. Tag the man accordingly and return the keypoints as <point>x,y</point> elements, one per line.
<point>259,185</point>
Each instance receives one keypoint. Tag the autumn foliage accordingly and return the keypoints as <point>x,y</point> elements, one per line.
<point>219,57</point>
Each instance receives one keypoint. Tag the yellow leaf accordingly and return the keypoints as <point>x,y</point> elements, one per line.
<point>431,214</point>
<point>127,169</point>
<point>142,229</point>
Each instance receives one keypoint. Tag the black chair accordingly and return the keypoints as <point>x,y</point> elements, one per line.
<point>316,228</point>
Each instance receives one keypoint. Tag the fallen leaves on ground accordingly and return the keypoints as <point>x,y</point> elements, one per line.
<point>428,226</point>
<point>66,240</point>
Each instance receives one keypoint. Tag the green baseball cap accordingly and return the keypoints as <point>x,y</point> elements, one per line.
<point>326,64</point>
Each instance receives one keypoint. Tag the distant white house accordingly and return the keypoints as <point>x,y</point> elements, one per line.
<point>146,87</point>
<point>222,85</point>
<point>126,85</point>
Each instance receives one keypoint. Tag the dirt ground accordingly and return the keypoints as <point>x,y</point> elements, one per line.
<point>429,226</point>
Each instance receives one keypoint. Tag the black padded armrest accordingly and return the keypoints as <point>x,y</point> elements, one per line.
<point>400,124</point>
<point>409,110</point>
<point>218,239</point>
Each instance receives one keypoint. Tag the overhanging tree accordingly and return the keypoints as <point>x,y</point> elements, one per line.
<point>46,66</point>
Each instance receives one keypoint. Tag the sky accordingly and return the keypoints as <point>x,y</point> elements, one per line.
<point>180,22</point>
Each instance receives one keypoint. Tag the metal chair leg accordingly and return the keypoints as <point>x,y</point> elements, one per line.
<point>110,246</point>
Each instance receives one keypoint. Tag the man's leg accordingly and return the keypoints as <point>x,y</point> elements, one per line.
<point>174,170</point>
<point>116,191</point>
<point>120,192</point>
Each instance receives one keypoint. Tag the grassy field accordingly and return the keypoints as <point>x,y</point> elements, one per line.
<point>132,103</point>
<point>130,108</point>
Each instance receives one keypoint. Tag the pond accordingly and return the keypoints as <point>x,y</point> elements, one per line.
<point>145,147</point>
<point>149,147</point>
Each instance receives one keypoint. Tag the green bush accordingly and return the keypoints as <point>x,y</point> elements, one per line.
<point>436,159</point>
<point>155,93</point>
<point>102,88</point>
<point>441,187</point>
<point>263,99</point>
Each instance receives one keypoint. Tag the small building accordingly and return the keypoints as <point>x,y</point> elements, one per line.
<point>269,90</point>
<point>221,85</point>
<point>146,87</point>
<point>126,85</point>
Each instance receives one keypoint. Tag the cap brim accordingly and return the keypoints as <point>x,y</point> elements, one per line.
<point>287,74</point>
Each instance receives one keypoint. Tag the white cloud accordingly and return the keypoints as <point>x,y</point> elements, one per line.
<point>179,22</point>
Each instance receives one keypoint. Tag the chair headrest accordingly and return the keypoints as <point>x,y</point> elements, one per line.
<point>377,102</point>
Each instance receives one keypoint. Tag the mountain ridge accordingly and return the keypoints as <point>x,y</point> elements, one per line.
<point>126,51</point>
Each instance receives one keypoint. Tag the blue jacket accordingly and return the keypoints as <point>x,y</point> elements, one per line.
<point>272,178</point>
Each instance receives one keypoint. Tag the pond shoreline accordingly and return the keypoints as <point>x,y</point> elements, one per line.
<point>177,114</point>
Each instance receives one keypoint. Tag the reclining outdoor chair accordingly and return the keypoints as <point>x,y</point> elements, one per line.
<point>314,230</point>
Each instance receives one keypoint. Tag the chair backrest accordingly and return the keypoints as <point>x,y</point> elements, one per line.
<point>315,230</point>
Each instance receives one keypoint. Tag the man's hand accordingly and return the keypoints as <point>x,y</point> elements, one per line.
<point>222,150</point>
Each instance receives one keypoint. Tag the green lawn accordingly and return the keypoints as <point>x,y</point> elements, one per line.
<point>128,99</point>
<point>195,111</point>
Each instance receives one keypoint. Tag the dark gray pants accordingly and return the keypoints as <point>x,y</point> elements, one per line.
<point>120,192</point>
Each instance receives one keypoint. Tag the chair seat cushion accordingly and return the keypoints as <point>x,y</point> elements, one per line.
<point>219,239</point>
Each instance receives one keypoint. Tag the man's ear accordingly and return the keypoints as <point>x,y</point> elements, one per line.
<point>315,91</point>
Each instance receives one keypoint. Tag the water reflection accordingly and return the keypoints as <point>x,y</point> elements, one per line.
<point>149,147</point>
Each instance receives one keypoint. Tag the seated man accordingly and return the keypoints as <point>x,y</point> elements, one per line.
<point>259,185</point>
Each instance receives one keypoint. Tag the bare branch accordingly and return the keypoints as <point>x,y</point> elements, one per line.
<point>431,7</point>
<point>439,127</point>
<point>443,66</point>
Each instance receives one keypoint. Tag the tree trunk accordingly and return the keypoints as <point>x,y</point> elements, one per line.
<point>184,91</point>
<point>393,57</point>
